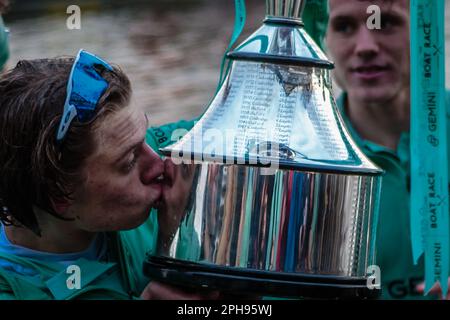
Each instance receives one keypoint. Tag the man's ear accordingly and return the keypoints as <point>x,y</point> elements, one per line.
<point>60,205</point>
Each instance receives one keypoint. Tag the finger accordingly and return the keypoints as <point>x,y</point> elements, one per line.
<point>436,289</point>
<point>214,295</point>
<point>159,291</point>
<point>420,287</point>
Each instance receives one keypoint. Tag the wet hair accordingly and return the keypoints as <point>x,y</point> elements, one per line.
<point>35,169</point>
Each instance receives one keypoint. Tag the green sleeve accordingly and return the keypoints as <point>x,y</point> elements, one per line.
<point>4,48</point>
<point>315,18</point>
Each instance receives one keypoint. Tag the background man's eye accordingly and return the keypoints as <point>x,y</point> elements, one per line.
<point>344,27</point>
<point>388,23</point>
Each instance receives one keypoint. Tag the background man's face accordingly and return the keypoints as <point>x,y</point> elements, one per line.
<point>371,65</point>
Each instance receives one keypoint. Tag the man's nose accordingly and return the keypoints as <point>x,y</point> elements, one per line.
<point>366,43</point>
<point>152,166</point>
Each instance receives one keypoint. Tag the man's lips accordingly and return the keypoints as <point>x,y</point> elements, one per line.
<point>370,71</point>
<point>156,182</point>
<point>157,186</point>
<point>163,182</point>
<point>157,174</point>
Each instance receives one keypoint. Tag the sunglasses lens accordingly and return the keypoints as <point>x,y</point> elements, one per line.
<point>87,85</point>
<point>84,89</point>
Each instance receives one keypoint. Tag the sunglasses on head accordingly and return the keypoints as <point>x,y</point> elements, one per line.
<point>84,90</point>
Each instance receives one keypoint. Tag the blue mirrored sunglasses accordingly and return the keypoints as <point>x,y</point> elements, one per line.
<point>84,89</point>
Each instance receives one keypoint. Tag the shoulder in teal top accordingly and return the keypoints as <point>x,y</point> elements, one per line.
<point>120,277</point>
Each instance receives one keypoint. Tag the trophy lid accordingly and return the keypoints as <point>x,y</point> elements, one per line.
<point>282,39</point>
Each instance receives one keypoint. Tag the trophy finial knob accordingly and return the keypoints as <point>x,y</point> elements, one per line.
<point>287,9</point>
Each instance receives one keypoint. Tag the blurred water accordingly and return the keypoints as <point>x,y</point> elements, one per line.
<point>172,55</point>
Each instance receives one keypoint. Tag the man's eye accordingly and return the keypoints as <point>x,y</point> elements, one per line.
<point>388,23</point>
<point>344,27</point>
<point>131,163</point>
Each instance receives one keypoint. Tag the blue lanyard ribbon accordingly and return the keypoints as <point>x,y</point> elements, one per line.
<point>429,171</point>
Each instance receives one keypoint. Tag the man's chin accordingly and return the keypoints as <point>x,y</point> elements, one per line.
<point>373,95</point>
<point>137,221</point>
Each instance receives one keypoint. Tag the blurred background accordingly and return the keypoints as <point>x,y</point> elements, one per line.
<point>170,49</point>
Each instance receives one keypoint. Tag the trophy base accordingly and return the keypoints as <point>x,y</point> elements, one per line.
<point>255,283</point>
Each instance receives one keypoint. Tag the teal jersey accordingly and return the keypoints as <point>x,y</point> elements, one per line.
<point>315,18</point>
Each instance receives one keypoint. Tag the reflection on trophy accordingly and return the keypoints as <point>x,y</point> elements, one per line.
<point>281,201</point>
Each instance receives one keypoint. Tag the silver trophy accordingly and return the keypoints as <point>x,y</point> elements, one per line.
<point>278,199</point>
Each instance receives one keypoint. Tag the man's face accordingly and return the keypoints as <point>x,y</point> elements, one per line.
<point>371,65</point>
<point>120,179</point>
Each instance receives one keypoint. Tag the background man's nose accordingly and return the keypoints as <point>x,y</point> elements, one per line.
<point>151,164</point>
<point>366,43</point>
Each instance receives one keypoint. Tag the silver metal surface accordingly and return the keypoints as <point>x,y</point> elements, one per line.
<point>291,9</point>
<point>289,44</point>
<point>286,107</point>
<point>295,222</point>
